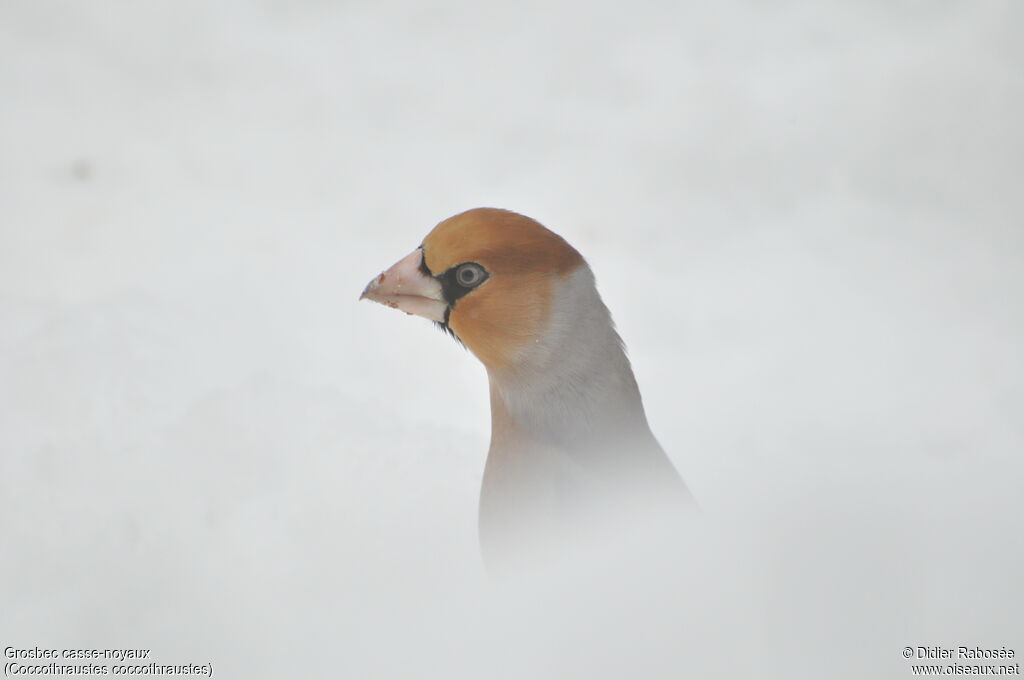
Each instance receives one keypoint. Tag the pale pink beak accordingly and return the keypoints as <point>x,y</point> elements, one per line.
<point>407,288</point>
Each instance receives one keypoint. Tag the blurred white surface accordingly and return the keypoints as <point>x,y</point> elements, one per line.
<point>806,219</point>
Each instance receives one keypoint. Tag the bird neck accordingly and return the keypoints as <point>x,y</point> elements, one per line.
<point>569,437</point>
<point>574,384</point>
<point>561,427</point>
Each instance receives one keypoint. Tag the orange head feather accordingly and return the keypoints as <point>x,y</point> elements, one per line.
<point>522,261</point>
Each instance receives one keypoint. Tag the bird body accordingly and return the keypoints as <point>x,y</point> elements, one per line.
<point>570,443</point>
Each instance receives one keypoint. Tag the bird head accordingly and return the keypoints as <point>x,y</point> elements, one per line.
<point>486,276</point>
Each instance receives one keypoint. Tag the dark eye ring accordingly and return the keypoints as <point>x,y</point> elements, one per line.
<point>470,274</point>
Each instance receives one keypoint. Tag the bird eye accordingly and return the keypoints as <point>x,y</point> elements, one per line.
<point>461,279</point>
<point>469,274</point>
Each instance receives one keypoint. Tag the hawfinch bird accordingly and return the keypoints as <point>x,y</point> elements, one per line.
<point>570,445</point>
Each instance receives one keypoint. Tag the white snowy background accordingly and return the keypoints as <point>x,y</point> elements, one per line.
<point>807,219</point>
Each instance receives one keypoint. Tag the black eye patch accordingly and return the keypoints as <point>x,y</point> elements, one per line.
<point>424,269</point>
<point>461,279</point>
